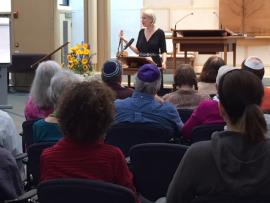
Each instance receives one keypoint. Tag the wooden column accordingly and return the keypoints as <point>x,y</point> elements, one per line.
<point>103,32</point>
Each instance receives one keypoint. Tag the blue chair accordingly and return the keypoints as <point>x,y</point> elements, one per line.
<point>83,191</point>
<point>204,132</point>
<point>125,135</point>
<point>153,166</point>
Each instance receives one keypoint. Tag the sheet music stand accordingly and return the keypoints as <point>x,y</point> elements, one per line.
<point>133,63</point>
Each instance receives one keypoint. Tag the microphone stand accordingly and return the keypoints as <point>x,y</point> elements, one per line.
<point>182,19</point>
<point>50,54</point>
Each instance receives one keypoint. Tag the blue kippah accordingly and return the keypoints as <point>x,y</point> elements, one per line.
<point>111,68</point>
<point>148,73</point>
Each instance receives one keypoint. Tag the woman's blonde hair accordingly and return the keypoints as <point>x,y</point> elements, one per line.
<point>150,13</point>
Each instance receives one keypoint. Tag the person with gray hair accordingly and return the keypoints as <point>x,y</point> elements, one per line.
<point>39,105</point>
<point>142,107</point>
<point>47,130</point>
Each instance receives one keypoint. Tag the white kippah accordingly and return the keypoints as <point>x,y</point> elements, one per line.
<point>254,63</point>
<point>222,71</point>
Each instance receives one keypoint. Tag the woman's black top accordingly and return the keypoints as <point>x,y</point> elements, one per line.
<point>153,47</point>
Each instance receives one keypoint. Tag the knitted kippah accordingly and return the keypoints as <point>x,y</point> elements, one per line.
<point>111,68</point>
<point>148,73</point>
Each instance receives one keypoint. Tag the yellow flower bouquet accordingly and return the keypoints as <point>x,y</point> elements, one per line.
<point>80,59</point>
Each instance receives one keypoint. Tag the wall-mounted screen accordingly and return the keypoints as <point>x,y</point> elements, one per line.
<point>4,40</point>
<point>5,6</point>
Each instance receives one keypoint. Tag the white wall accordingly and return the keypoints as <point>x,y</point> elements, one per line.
<point>170,11</point>
<point>125,15</point>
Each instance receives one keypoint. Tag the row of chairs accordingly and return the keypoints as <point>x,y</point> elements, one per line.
<point>153,166</point>
<point>147,162</point>
<point>125,135</point>
<point>84,191</point>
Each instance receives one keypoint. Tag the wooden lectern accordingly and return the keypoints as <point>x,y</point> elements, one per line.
<point>132,65</point>
<point>205,42</point>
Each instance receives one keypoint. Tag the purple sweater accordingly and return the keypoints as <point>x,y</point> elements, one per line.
<point>206,113</point>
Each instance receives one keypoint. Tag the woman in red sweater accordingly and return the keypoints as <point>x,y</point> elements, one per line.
<point>85,112</point>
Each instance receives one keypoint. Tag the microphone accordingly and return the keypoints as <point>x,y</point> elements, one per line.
<point>217,16</point>
<point>128,44</point>
<point>189,14</point>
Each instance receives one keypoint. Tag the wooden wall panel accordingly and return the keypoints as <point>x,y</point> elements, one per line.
<point>34,29</point>
<point>246,16</point>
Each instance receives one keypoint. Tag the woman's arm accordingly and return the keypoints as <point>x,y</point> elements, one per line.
<point>163,50</point>
<point>133,48</point>
<point>164,60</point>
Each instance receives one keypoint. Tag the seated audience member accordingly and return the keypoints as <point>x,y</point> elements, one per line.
<point>206,84</point>
<point>85,112</point>
<point>10,180</point>
<point>48,130</point>
<point>207,112</point>
<point>255,65</point>
<point>112,75</point>
<point>9,138</point>
<point>142,107</point>
<point>39,104</point>
<point>236,161</point>
<point>186,96</point>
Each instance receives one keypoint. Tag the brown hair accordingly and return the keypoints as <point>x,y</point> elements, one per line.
<point>86,111</point>
<point>240,92</point>
<point>185,75</point>
<point>210,69</point>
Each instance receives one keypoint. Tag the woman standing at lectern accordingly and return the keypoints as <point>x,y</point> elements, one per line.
<point>151,40</point>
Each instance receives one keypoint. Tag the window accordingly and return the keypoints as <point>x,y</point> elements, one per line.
<point>5,6</point>
<point>63,2</point>
<point>125,15</point>
<point>5,9</point>
<point>4,40</point>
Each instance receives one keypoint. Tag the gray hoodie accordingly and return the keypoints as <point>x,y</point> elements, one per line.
<point>226,165</point>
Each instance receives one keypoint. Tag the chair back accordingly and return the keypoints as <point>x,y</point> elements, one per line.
<point>83,191</point>
<point>153,166</point>
<point>27,133</point>
<point>33,164</point>
<point>184,114</point>
<point>125,135</point>
<point>204,132</point>
<point>232,199</point>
